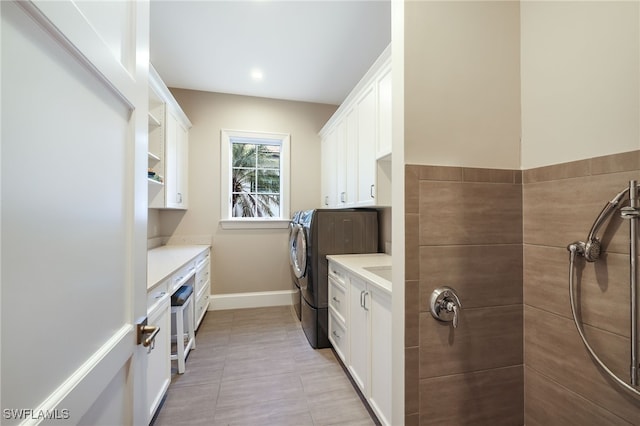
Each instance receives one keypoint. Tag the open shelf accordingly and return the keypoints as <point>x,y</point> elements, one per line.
<point>153,156</point>
<point>153,121</point>
<point>154,182</point>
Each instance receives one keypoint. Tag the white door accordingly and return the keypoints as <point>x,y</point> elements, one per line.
<point>73,218</point>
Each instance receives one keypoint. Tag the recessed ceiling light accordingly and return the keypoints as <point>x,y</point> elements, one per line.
<point>256,74</point>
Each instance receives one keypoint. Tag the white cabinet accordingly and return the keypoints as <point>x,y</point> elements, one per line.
<point>367,147</point>
<point>329,164</point>
<point>355,138</point>
<point>203,287</point>
<point>338,313</point>
<point>176,163</point>
<point>159,353</point>
<point>168,147</point>
<point>370,344</point>
<point>360,332</point>
<point>378,304</point>
<point>384,114</point>
<point>359,348</point>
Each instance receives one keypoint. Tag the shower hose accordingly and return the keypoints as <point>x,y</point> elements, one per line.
<point>573,248</point>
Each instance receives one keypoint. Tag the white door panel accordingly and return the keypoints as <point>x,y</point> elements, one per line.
<point>73,237</point>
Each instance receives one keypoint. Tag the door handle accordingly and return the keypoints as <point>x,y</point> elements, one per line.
<point>146,334</point>
<point>153,331</point>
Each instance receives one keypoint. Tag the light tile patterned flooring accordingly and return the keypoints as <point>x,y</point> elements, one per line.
<point>255,367</point>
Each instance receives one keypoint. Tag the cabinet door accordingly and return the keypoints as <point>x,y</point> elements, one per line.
<point>358,334</point>
<point>351,164</point>
<point>367,147</point>
<point>328,169</point>
<point>182,136</point>
<point>380,316</point>
<point>341,163</point>
<point>383,146</point>
<point>176,163</point>
<point>159,358</point>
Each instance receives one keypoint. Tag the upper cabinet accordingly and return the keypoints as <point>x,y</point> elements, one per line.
<point>356,143</point>
<point>168,148</point>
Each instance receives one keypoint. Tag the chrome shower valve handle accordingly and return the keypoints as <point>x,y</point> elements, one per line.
<point>445,305</point>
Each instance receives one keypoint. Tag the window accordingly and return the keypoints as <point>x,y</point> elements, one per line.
<point>255,179</point>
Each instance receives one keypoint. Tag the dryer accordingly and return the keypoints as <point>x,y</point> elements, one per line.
<point>316,234</point>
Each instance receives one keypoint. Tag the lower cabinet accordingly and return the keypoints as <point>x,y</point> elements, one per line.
<point>380,344</point>
<point>159,354</point>
<point>363,338</point>
<point>202,288</point>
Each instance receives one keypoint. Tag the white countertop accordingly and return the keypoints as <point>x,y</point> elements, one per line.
<point>165,260</point>
<point>357,264</point>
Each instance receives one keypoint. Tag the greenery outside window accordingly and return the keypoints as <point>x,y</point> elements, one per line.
<point>255,181</point>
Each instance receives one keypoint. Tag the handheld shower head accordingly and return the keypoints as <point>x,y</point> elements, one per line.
<point>591,248</point>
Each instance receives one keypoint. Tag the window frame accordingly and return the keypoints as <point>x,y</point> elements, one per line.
<point>227,220</point>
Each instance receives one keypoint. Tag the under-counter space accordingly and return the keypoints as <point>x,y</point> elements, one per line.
<point>165,260</point>
<point>374,268</point>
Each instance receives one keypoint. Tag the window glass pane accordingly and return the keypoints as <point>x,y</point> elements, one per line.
<point>269,156</point>
<point>243,180</point>
<point>243,205</point>
<point>269,181</point>
<point>268,205</point>
<point>244,155</point>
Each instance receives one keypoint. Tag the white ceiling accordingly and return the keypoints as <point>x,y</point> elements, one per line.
<point>313,51</point>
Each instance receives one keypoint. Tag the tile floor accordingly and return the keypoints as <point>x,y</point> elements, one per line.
<point>255,367</point>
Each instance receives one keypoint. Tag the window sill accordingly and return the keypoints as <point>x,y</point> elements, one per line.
<point>254,223</point>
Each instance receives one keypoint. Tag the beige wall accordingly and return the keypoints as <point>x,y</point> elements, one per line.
<point>462,80</point>
<point>580,80</point>
<point>244,260</point>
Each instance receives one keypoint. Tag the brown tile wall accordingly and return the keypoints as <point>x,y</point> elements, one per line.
<point>464,230</point>
<point>563,385</point>
<point>499,238</point>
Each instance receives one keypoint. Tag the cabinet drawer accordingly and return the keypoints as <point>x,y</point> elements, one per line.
<point>182,275</point>
<point>202,303</point>
<point>338,298</point>
<point>202,258</point>
<point>337,273</point>
<point>202,275</point>
<point>338,336</point>
<point>156,295</point>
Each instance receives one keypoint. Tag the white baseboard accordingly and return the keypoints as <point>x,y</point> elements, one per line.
<point>259,299</point>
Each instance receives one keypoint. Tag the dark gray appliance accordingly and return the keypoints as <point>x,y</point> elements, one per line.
<point>316,234</point>
<point>296,239</point>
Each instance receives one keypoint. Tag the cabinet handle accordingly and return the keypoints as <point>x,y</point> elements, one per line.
<point>161,295</point>
<point>361,299</point>
<point>342,197</point>
<point>326,200</point>
<point>336,335</point>
<point>179,197</point>
<point>371,191</point>
<point>335,299</point>
<point>364,300</point>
